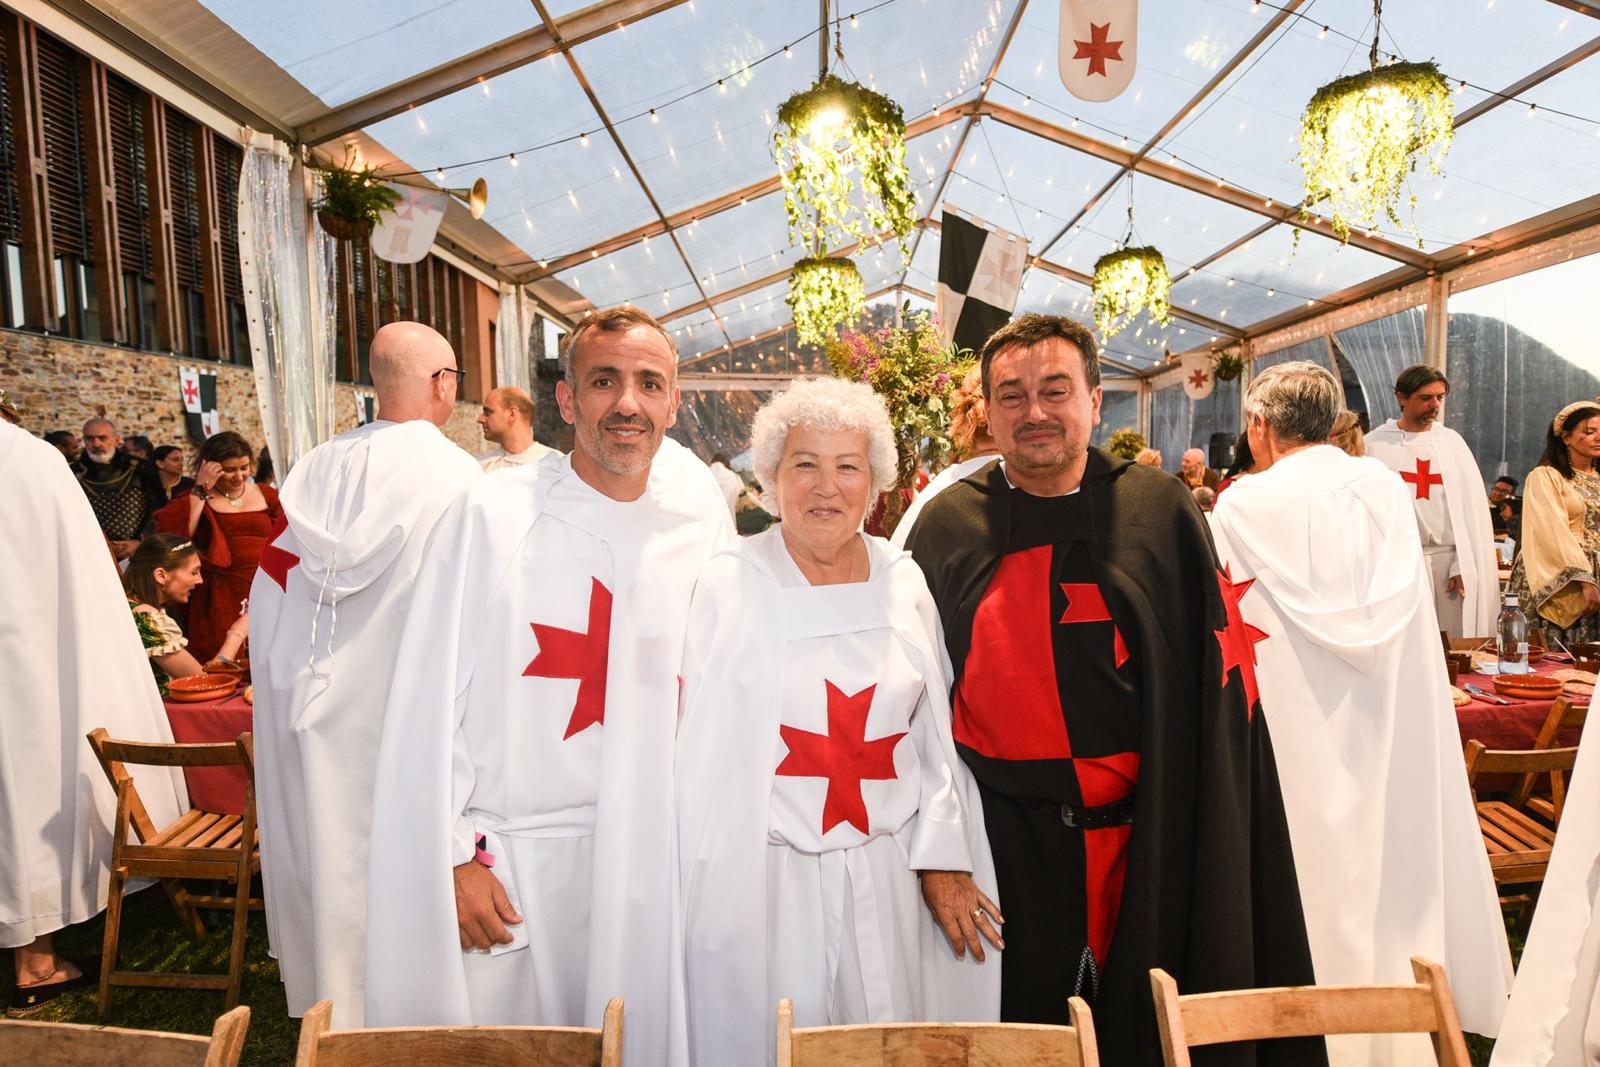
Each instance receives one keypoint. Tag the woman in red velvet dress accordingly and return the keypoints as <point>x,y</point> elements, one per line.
<point>230,519</point>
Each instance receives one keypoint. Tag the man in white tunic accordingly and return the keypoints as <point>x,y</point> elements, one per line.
<point>70,660</point>
<point>506,420</point>
<point>326,609</point>
<point>1386,841</point>
<point>1554,1016</point>
<point>522,827</point>
<point>1452,510</point>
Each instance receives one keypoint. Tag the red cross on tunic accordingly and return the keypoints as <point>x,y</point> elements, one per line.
<point>278,562</point>
<point>1085,603</point>
<point>570,654</point>
<point>843,756</point>
<point>1422,478</point>
<point>1238,641</point>
<point>1097,49</point>
<point>191,392</point>
<point>1199,378</point>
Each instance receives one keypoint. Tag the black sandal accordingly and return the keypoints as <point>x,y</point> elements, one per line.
<point>27,999</point>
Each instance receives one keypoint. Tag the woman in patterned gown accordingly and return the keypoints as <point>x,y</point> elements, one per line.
<point>164,570</point>
<point>1555,573</point>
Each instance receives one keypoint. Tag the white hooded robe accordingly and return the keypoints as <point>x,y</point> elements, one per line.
<point>326,610</point>
<point>1324,552</point>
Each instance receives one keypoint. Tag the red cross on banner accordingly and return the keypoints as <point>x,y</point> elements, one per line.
<point>570,654</point>
<point>1098,47</point>
<point>1085,603</point>
<point>1422,479</point>
<point>1238,641</point>
<point>843,756</point>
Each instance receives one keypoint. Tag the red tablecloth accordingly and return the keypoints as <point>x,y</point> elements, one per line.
<point>1505,726</point>
<point>219,789</point>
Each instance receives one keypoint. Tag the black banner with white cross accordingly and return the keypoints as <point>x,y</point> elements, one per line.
<point>198,388</point>
<point>980,275</point>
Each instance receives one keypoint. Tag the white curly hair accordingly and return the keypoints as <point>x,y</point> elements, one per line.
<point>827,404</point>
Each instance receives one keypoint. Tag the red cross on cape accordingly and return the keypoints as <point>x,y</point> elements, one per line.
<point>278,562</point>
<point>1422,479</point>
<point>843,756</point>
<point>1085,603</point>
<point>1238,641</point>
<point>571,654</point>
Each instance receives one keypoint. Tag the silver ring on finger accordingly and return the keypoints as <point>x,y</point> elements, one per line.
<point>978,913</point>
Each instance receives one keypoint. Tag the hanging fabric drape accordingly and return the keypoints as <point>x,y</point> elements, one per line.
<point>286,262</point>
<point>1171,420</point>
<point>1379,351</point>
<point>511,342</point>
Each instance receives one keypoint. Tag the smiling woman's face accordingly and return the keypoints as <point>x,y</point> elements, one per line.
<point>824,485</point>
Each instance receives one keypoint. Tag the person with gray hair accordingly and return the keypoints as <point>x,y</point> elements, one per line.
<point>124,492</point>
<point>819,789</point>
<point>1327,555</point>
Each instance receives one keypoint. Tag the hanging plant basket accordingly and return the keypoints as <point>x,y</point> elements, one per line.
<point>824,292</point>
<point>340,229</point>
<point>1227,366</point>
<point>841,154</point>
<point>1363,136</point>
<point>352,200</point>
<point>1127,282</point>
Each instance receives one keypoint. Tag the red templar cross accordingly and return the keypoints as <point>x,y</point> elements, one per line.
<point>843,756</point>
<point>569,654</point>
<point>1085,603</point>
<point>1422,478</point>
<point>1238,641</point>
<point>278,562</point>
<point>1199,378</point>
<point>191,392</point>
<point>1097,49</point>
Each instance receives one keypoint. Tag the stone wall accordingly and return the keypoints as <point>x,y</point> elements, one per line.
<point>61,383</point>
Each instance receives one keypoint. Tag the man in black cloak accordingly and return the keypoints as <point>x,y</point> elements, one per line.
<point>1105,698</point>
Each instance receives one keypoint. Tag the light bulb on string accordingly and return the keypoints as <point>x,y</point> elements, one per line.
<point>583,139</point>
<point>512,159</point>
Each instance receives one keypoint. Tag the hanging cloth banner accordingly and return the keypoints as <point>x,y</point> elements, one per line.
<point>1199,378</point>
<point>980,275</point>
<point>366,408</point>
<point>1099,45</point>
<point>198,389</point>
<point>405,232</point>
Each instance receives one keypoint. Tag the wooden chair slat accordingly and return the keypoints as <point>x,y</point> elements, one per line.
<point>209,838</point>
<point>151,754</point>
<point>29,1044</point>
<point>175,831</point>
<point>455,1046</point>
<point>1012,1044</point>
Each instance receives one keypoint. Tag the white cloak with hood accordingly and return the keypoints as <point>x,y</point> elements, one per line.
<point>70,660</point>
<point>1554,1017</point>
<point>1466,503</point>
<point>941,481</point>
<point>358,509</point>
<point>1325,553</point>
<point>785,892</point>
<point>534,705</point>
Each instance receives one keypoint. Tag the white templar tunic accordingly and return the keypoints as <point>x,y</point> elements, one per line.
<point>70,660</point>
<point>534,705</point>
<point>1323,552</point>
<point>941,481</point>
<point>326,610</point>
<point>815,761</point>
<point>1447,496</point>
<point>1554,1017</point>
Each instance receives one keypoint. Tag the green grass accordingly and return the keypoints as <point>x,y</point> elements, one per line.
<point>152,940</point>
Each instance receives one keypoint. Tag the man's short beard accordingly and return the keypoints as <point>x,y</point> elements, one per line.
<point>101,457</point>
<point>591,438</point>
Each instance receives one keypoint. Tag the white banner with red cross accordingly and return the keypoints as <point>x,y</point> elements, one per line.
<point>1099,46</point>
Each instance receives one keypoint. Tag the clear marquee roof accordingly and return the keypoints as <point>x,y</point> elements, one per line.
<point>661,114</point>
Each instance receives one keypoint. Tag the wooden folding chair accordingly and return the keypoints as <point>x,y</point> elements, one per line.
<point>29,1044</point>
<point>1202,1019</point>
<point>200,844</point>
<point>1563,715</point>
<point>1518,844</point>
<point>975,1044</point>
<point>460,1046</point>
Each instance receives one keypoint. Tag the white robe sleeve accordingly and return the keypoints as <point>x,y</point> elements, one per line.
<point>939,835</point>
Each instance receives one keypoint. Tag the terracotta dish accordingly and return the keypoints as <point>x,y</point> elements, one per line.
<point>200,687</point>
<point>1527,686</point>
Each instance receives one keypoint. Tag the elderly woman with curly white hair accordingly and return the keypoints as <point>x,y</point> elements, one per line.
<point>831,841</point>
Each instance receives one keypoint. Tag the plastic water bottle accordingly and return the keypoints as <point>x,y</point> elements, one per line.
<point>1512,630</point>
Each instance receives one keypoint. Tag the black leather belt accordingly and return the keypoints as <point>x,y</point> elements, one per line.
<point>1116,813</point>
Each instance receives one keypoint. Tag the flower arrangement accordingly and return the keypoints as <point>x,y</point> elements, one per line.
<point>824,136</point>
<point>1227,365</point>
<point>824,291</point>
<point>1362,136</point>
<point>1126,282</point>
<point>352,199</point>
<point>916,373</point>
<point>1126,443</point>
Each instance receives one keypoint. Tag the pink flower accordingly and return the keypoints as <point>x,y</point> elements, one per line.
<point>941,380</point>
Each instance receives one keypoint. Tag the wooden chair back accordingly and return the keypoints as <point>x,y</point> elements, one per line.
<point>932,1044</point>
<point>1529,765</point>
<point>1564,715</point>
<point>29,1044</point>
<point>460,1046</point>
<point>1202,1019</point>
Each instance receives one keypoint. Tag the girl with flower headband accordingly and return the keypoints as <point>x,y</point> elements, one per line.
<point>164,570</point>
<point>1555,573</point>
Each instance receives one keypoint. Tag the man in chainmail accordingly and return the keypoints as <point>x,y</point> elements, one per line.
<point>123,491</point>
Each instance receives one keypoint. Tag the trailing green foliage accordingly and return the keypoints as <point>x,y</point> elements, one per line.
<point>824,292</point>
<point>1126,282</point>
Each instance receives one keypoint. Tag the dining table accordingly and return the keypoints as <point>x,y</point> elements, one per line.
<point>216,789</point>
<point>1507,726</point>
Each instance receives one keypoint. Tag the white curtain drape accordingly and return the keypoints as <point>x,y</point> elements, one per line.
<point>1379,351</point>
<point>511,342</point>
<point>286,262</point>
<point>1171,422</point>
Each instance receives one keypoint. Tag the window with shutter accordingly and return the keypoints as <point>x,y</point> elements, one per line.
<point>359,254</point>
<point>10,206</point>
<point>126,121</point>
<point>229,162</point>
<point>62,111</point>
